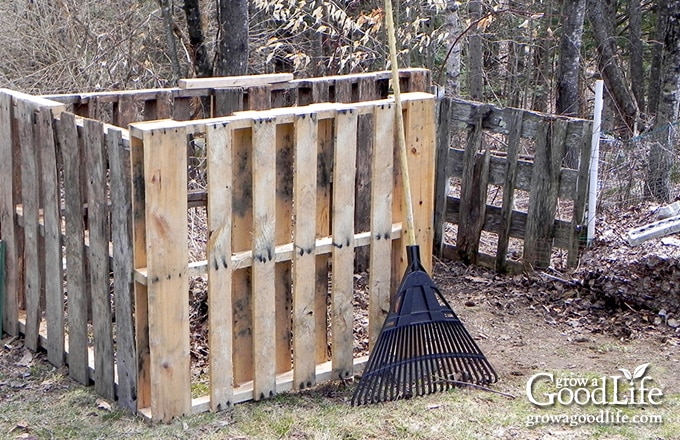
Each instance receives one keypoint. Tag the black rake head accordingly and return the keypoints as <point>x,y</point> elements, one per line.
<point>423,347</point>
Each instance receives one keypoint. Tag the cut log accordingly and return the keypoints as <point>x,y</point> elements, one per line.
<point>656,229</point>
<point>234,81</point>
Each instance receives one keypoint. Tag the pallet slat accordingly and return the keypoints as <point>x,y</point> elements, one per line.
<point>67,134</point>
<point>30,193</point>
<point>342,293</point>
<point>219,145</point>
<point>98,257</point>
<point>8,165</point>
<point>382,171</point>
<point>52,258</point>
<point>122,267</point>
<point>165,180</point>
<point>263,245</point>
<point>304,267</point>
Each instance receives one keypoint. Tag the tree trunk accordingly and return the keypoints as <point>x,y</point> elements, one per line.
<point>192,10</point>
<point>453,60</point>
<point>231,57</point>
<point>661,154</point>
<point>654,85</point>
<point>475,74</point>
<point>166,11</point>
<point>568,100</point>
<point>609,64</point>
<point>636,57</point>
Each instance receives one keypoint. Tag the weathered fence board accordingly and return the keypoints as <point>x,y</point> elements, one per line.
<point>514,138</point>
<point>76,286</point>
<point>8,165</point>
<point>52,256</point>
<point>30,193</point>
<point>342,293</point>
<point>263,269</point>
<point>166,266</point>
<point>98,257</point>
<point>541,174</point>
<point>122,267</point>
<point>382,182</point>
<point>219,270</point>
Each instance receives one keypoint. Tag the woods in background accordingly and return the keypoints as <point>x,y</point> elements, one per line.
<point>542,55</point>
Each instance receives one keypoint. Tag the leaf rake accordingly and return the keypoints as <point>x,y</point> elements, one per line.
<point>422,347</point>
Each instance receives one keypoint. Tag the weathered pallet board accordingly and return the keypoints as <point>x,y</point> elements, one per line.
<point>76,285</point>
<point>30,193</point>
<point>304,263</point>
<point>122,267</point>
<point>52,256</point>
<point>342,290</point>
<point>382,171</point>
<point>166,257</point>
<point>8,167</point>
<point>98,256</point>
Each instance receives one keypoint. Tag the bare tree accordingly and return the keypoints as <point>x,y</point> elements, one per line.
<point>475,68</point>
<point>201,59</point>
<point>662,154</point>
<point>231,57</point>
<point>636,56</point>
<point>601,20</point>
<point>569,68</point>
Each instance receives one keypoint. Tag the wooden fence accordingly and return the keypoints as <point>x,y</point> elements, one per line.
<point>94,221</point>
<point>506,150</point>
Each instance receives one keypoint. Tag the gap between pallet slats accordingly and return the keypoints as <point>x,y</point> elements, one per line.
<point>285,141</point>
